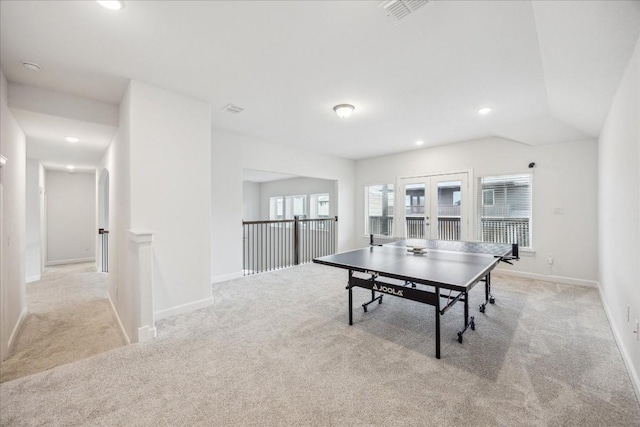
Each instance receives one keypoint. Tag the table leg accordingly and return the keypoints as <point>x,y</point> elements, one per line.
<point>350,299</point>
<point>437,322</point>
<point>487,293</point>
<point>468,321</point>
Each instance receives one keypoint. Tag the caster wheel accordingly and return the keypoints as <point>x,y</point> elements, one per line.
<point>492,300</point>
<point>365,309</point>
<point>460,337</point>
<point>473,326</point>
<point>380,300</point>
<point>482,308</point>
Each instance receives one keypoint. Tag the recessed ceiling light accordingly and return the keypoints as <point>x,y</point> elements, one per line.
<point>344,110</point>
<point>71,139</point>
<point>71,167</point>
<point>111,4</point>
<point>31,66</point>
<point>485,110</point>
<point>419,142</point>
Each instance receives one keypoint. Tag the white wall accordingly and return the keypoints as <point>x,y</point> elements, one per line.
<point>116,161</point>
<point>170,179</point>
<point>564,176</point>
<point>71,224</point>
<point>33,251</point>
<point>12,224</point>
<point>230,154</point>
<point>251,201</point>
<point>619,215</point>
<point>294,187</point>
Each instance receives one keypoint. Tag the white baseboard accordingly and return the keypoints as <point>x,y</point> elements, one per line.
<point>122,329</point>
<point>225,277</point>
<point>146,333</point>
<point>184,308</point>
<point>633,373</point>
<point>16,328</point>
<point>70,261</point>
<point>547,278</point>
<point>33,278</point>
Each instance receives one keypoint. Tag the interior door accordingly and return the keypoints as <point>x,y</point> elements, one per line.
<point>435,207</point>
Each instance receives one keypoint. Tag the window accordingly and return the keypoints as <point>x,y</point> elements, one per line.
<point>487,197</point>
<point>295,206</point>
<point>457,197</point>
<point>319,206</point>
<point>504,209</point>
<point>276,208</point>
<point>379,203</point>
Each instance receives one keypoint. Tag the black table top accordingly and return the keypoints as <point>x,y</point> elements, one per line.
<point>450,269</point>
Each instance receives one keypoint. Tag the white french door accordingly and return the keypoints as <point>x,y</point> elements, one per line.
<point>435,207</point>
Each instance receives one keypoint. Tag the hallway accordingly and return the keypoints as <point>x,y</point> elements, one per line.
<point>69,318</point>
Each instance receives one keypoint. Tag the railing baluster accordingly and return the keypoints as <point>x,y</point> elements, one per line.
<point>270,245</point>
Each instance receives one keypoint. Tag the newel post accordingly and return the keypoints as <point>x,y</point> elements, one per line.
<point>141,275</point>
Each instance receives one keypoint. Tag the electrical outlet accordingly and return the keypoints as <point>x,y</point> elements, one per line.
<point>550,259</point>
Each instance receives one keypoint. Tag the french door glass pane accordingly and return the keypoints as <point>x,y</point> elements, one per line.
<point>449,204</point>
<point>414,210</point>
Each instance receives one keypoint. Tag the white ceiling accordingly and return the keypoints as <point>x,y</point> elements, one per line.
<point>549,69</point>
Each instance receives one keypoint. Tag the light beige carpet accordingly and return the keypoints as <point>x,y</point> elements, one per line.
<point>276,349</point>
<point>69,318</point>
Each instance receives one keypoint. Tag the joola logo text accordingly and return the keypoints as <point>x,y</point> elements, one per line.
<point>397,292</point>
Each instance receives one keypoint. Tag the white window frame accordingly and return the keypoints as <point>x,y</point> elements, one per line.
<point>289,210</point>
<point>274,216</point>
<point>391,208</point>
<point>314,205</point>
<point>484,198</point>
<point>480,205</point>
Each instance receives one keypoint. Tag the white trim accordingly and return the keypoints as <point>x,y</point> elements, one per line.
<point>432,174</point>
<point>33,278</point>
<point>113,307</point>
<point>146,333</point>
<point>225,277</point>
<point>633,374</point>
<point>184,308</point>
<point>547,278</point>
<point>14,333</point>
<point>141,236</point>
<point>70,261</point>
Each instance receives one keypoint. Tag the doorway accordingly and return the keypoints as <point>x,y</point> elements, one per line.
<point>103,222</point>
<point>435,207</point>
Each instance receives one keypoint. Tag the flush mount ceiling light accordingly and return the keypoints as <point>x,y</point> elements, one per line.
<point>419,142</point>
<point>111,4</point>
<point>485,110</point>
<point>71,139</point>
<point>71,168</point>
<point>31,66</point>
<point>343,110</point>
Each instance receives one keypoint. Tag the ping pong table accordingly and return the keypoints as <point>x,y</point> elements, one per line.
<point>439,273</point>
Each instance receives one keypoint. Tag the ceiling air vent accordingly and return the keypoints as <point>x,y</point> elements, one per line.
<point>232,108</point>
<point>400,9</point>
